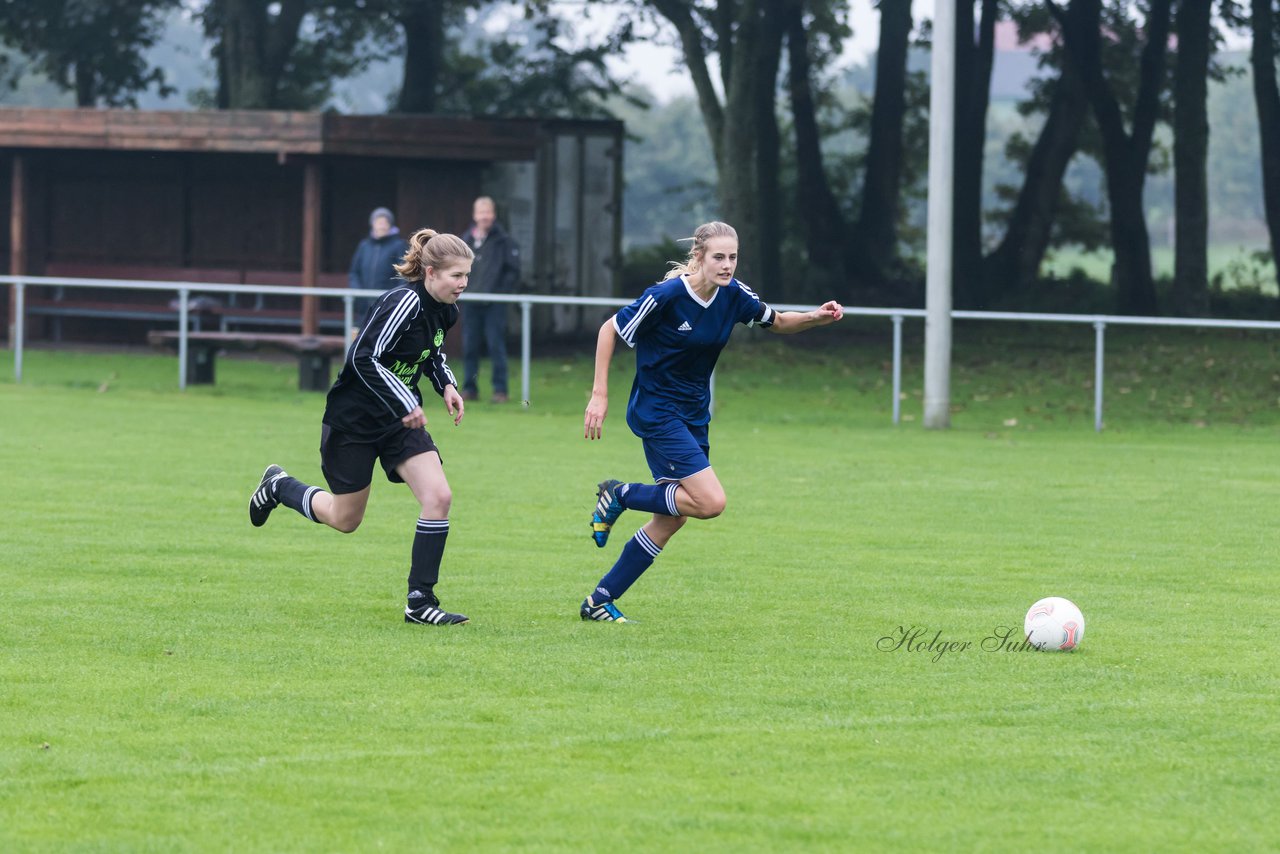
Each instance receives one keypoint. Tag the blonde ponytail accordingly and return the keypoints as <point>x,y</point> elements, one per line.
<point>429,249</point>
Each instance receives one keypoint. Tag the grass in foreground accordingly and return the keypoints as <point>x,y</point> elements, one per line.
<point>175,679</point>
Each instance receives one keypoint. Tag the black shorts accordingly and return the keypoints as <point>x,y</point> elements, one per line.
<point>347,462</point>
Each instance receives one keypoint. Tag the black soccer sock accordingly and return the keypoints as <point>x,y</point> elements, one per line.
<point>295,494</point>
<point>428,549</point>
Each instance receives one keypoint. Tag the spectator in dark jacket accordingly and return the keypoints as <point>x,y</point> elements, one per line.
<point>373,265</point>
<point>496,270</point>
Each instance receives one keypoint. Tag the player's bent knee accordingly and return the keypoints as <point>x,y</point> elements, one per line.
<point>345,526</point>
<point>707,506</point>
<point>436,504</point>
<point>345,522</point>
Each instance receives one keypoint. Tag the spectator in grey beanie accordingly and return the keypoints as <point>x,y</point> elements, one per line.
<point>373,265</point>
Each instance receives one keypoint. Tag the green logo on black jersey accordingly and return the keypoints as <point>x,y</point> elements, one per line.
<point>404,371</point>
<point>439,337</point>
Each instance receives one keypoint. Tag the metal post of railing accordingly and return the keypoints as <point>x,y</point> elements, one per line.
<point>348,316</point>
<point>19,332</point>
<point>183,294</point>
<point>526,348</point>
<point>897,368</point>
<point>1099,333</point>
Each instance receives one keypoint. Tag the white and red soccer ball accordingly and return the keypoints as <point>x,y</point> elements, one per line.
<point>1054,623</point>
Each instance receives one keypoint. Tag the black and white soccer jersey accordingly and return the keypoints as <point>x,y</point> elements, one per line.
<point>400,341</point>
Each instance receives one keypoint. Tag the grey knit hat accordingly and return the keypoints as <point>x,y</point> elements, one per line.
<point>377,212</point>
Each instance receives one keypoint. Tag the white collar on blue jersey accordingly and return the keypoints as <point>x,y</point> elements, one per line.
<point>699,300</point>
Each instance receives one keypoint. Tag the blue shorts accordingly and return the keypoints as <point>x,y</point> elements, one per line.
<point>676,450</point>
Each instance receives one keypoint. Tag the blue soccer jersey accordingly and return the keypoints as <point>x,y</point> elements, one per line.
<point>678,337</point>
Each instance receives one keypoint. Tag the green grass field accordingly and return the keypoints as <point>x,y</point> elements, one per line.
<point>177,680</point>
<point>1235,263</point>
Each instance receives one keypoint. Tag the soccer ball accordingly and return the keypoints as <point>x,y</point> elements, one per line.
<point>1054,623</point>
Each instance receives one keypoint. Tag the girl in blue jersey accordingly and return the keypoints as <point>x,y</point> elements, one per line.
<point>678,328</point>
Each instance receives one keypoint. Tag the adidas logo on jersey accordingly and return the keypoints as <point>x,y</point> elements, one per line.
<point>684,327</point>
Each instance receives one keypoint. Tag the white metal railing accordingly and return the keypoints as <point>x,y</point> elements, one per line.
<point>526,302</point>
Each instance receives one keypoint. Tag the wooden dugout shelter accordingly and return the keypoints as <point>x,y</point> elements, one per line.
<point>264,197</point>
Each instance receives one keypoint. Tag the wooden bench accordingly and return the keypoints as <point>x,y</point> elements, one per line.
<point>222,312</point>
<point>201,315</point>
<point>235,315</point>
<point>315,352</point>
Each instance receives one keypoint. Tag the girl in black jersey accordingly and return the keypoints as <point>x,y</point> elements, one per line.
<point>374,413</point>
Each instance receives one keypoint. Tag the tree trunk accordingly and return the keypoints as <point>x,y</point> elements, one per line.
<point>1131,271</point>
<point>1190,157</point>
<point>1015,264</point>
<point>749,58</point>
<point>820,216</point>
<point>768,155</point>
<point>1266,96</point>
<point>1125,154</point>
<point>254,49</point>
<point>423,24</point>
<point>973,92</point>
<point>724,20</point>
<point>86,88</point>
<point>876,235</point>
<point>695,58</point>
<point>738,180</point>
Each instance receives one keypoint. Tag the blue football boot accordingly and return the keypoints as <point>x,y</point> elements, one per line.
<point>604,613</point>
<point>608,509</point>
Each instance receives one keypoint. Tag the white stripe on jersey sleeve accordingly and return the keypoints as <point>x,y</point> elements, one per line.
<point>351,353</point>
<point>449,378</point>
<point>407,305</point>
<point>399,389</point>
<point>448,372</point>
<point>628,332</point>
<point>390,332</point>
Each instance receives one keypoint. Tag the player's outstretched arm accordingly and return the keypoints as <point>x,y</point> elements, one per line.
<point>788,322</point>
<point>598,408</point>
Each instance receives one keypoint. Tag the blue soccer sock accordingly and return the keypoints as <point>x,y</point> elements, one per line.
<point>657,498</point>
<point>637,556</point>
<point>295,494</point>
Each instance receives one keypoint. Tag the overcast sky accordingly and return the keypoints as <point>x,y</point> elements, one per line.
<point>659,67</point>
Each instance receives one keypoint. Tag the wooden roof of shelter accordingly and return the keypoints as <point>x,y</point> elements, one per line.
<point>269,132</point>
<point>201,189</point>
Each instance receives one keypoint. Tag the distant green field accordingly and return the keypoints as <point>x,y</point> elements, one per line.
<point>177,680</point>
<point>1235,264</point>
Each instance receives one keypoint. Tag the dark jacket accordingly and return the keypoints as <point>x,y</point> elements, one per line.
<point>372,265</point>
<point>497,266</point>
